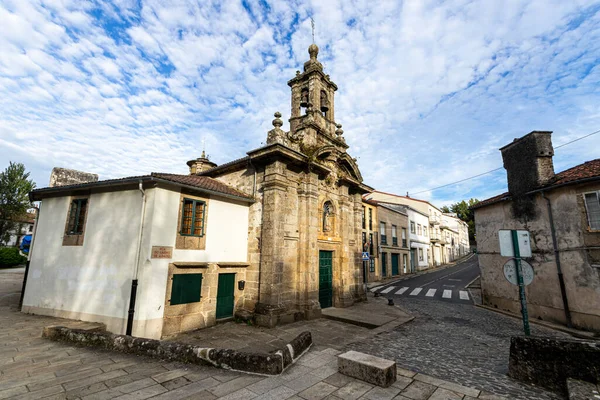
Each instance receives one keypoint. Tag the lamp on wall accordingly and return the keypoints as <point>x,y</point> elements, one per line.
<point>241,285</point>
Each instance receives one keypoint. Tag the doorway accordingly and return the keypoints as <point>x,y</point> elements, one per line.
<point>395,264</point>
<point>225,296</point>
<point>413,256</point>
<point>325,278</point>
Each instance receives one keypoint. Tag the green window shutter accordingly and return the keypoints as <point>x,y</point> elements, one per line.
<point>186,288</point>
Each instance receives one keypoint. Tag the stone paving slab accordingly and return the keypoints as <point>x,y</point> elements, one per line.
<point>34,368</point>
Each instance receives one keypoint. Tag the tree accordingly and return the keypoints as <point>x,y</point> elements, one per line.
<point>15,186</point>
<point>463,211</point>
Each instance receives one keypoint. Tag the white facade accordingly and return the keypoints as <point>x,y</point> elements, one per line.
<point>461,231</point>
<point>92,282</point>
<point>419,240</point>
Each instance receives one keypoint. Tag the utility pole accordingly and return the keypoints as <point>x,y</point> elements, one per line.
<point>515,240</point>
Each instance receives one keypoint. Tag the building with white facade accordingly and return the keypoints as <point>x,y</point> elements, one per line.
<point>149,256</point>
<point>461,231</point>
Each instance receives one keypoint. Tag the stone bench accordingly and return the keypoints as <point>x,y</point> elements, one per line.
<point>368,368</point>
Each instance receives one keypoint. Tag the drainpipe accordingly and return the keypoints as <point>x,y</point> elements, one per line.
<point>35,224</point>
<point>563,290</point>
<point>134,281</point>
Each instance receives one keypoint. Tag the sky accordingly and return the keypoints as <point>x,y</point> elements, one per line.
<point>428,90</point>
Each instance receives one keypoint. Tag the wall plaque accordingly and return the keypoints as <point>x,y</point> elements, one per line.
<point>162,252</point>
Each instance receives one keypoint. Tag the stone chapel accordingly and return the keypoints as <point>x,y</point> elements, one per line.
<point>304,234</point>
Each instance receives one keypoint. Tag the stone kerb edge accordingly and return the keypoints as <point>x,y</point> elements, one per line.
<point>255,363</point>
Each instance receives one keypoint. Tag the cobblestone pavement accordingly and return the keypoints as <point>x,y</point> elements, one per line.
<point>457,342</point>
<point>36,368</point>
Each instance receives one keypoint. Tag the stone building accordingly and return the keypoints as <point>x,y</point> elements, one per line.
<point>370,241</point>
<point>304,237</point>
<point>562,214</point>
<point>394,240</point>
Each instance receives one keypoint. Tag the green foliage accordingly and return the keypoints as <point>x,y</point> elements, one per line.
<point>10,257</point>
<point>15,186</point>
<point>464,212</point>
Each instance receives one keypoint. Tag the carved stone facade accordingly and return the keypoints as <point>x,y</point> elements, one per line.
<point>306,221</point>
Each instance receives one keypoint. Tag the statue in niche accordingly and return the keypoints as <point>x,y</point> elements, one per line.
<point>328,217</point>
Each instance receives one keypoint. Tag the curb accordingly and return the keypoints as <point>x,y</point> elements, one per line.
<point>572,332</point>
<point>255,363</point>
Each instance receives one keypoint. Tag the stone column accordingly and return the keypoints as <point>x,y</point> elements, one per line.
<point>272,244</point>
<point>308,254</point>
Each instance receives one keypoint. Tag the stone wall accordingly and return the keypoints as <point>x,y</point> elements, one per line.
<point>549,362</point>
<point>64,176</point>
<point>575,243</point>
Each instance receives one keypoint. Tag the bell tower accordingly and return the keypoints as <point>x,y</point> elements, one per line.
<point>313,107</point>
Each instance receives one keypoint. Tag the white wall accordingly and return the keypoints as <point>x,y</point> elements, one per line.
<point>90,282</point>
<point>226,241</point>
<point>93,282</point>
<point>419,241</point>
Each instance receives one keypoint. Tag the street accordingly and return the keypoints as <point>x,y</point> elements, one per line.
<point>451,338</point>
<point>448,284</point>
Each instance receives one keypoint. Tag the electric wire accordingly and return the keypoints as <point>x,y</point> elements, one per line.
<point>499,168</point>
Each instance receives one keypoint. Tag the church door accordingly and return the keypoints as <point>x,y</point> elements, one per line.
<point>325,278</point>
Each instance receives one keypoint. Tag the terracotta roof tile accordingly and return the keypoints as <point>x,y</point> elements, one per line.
<point>588,169</point>
<point>201,182</point>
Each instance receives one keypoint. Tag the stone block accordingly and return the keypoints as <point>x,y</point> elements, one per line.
<point>368,368</point>
<point>579,390</point>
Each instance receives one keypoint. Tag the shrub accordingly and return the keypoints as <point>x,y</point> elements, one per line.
<point>10,257</point>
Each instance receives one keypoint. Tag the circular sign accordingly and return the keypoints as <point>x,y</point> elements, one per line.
<point>510,272</point>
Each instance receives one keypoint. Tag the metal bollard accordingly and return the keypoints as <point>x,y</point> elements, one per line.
<point>390,301</point>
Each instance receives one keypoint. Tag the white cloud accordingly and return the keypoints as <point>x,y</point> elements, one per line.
<point>428,91</point>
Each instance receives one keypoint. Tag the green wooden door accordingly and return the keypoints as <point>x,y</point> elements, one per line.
<point>325,278</point>
<point>225,295</point>
<point>395,264</point>
<point>383,265</point>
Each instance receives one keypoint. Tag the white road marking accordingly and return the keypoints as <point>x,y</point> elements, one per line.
<point>463,295</point>
<point>376,288</point>
<point>388,289</point>
<point>416,291</point>
<point>447,294</point>
<point>431,292</point>
<point>404,289</point>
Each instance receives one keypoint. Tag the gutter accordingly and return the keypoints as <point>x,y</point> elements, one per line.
<point>561,281</point>
<point>134,281</point>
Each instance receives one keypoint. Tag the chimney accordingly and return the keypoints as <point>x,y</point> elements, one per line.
<point>528,162</point>
<point>200,164</point>
<point>64,176</point>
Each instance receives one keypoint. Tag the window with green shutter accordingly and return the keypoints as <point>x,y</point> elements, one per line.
<point>186,288</point>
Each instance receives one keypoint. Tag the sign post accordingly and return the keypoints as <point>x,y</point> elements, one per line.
<point>517,254</point>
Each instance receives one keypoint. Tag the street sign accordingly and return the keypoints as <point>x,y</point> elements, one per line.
<point>365,256</point>
<point>510,272</point>
<point>506,243</point>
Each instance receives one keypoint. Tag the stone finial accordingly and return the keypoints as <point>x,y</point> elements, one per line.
<point>277,122</point>
<point>276,135</point>
<point>313,51</point>
<point>339,132</point>
<point>297,72</point>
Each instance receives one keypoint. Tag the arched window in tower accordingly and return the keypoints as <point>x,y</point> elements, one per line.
<point>324,103</point>
<point>304,97</point>
<point>328,217</point>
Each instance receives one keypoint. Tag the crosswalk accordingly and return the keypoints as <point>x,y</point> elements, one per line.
<point>414,292</point>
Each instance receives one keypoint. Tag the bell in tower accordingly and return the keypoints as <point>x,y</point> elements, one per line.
<point>312,98</point>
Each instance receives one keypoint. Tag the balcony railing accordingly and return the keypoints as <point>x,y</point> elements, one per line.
<point>434,220</point>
